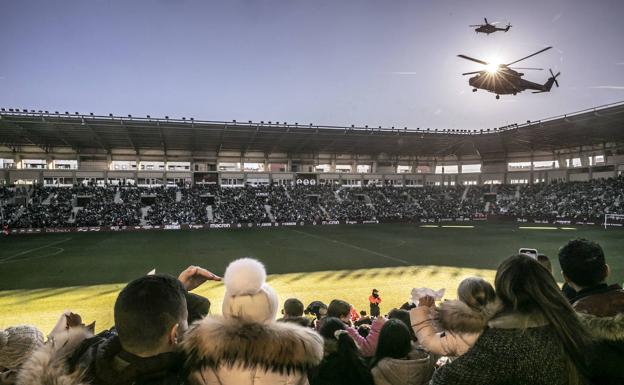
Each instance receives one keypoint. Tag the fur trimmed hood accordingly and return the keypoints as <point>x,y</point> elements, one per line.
<point>458,317</point>
<point>607,328</point>
<point>274,346</point>
<point>47,366</point>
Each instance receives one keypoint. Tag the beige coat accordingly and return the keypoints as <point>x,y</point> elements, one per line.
<point>416,369</point>
<point>226,351</point>
<point>460,328</point>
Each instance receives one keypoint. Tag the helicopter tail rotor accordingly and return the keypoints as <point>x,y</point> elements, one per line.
<point>554,77</point>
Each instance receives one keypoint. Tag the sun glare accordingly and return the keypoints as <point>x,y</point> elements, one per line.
<point>494,61</point>
<point>492,67</point>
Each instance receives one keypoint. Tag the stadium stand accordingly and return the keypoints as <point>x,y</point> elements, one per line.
<point>54,206</point>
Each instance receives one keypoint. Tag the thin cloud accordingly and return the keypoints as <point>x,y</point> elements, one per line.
<point>620,63</point>
<point>608,87</point>
<point>557,17</point>
<point>404,73</point>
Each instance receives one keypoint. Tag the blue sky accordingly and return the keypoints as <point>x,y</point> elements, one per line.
<point>335,62</point>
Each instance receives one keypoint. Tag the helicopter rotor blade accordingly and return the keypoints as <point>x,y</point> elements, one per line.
<point>526,68</point>
<point>476,25</point>
<point>472,73</point>
<point>473,59</point>
<point>486,22</point>
<point>526,57</point>
<point>555,76</point>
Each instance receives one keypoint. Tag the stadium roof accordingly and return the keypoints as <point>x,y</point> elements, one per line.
<point>598,125</point>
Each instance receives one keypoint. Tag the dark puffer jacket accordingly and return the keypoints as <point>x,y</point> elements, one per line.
<point>602,300</point>
<point>515,349</point>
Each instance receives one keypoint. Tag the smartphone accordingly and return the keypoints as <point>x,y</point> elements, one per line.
<point>530,252</point>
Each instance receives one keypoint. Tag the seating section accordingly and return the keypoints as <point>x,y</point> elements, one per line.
<point>122,206</point>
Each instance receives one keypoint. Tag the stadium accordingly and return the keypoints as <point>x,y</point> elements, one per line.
<point>479,240</point>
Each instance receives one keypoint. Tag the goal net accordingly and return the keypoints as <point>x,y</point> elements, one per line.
<point>613,220</point>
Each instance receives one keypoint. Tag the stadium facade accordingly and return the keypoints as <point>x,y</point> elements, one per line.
<point>65,148</point>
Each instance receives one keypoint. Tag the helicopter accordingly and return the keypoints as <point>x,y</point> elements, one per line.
<point>488,28</point>
<point>504,80</point>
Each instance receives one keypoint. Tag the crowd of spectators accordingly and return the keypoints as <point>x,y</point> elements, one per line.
<point>126,206</point>
<point>520,329</point>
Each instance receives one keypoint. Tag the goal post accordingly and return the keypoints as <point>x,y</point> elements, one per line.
<point>609,220</point>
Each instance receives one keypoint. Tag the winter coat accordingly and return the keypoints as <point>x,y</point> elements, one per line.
<point>416,369</point>
<point>368,344</point>
<point>516,348</point>
<point>229,351</point>
<point>48,366</point>
<point>337,369</point>
<point>602,300</point>
<point>607,357</point>
<point>463,326</point>
<point>302,321</point>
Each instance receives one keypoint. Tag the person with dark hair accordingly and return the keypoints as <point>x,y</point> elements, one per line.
<point>342,363</point>
<point>601,306</point>
<point>365,319</point>
<point>342,310</point>
<point>293,312</point>
<point>397,361</point>
<point>536,338</point>
<point>319,310</point>
<point>151,316</point>
<point>403,316</point>
<point>585,270</point>
<point>545,261</point>
<point>374,299</point>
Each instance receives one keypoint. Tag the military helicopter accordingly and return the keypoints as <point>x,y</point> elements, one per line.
<point>504,80</point>
<point>488,28</point>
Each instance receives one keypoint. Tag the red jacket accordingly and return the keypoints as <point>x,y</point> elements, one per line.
<point>374,300</point>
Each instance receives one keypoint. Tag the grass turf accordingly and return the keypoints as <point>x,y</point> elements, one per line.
<point>42,275</point>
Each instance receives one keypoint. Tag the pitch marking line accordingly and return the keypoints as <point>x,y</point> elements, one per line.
<point>353,247</point>
<point>3,260</point>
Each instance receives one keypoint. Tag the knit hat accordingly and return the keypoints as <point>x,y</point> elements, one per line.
<point>17,344</point>
<point>247,295</point>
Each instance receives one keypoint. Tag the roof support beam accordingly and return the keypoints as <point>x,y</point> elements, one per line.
<point>97,137</point>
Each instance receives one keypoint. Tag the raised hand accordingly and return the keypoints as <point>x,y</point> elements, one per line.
<point>194,276</point>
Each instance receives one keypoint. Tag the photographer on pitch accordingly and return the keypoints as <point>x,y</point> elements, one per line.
<point>374,299</point>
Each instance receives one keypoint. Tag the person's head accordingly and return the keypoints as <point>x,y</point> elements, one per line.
<point>329,326</point>
<point>403,316</point>
<point>247,295</point>
<point>293,308</point>
<point>317,308</point>
<point>17,343</point>
<point>339,309</point>
<point>375,293</point>
<point>151,315</point>
<point>545,261</point>
<point>583,263</point>
<point>362,313</point>
<point>394,341</point>
<point>475,292</point>
<point>523,285</point>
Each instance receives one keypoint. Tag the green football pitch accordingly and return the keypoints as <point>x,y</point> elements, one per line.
<point>42,275</point>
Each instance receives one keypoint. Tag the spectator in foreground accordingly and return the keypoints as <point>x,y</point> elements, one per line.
<point>601,306</point>
<point>245,345</point>
<point>537,338</point>
<point>397,361</point>
<point>585,270</point>
<point>342,310</point>
<point>342,363</point>
<point>462,320</point>
<point>293,312</point>
<point>17,344</point>
<point>151,315</point>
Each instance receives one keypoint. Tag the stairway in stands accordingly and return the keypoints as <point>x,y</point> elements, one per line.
<point>267,208</point>
<point>144,211</point>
